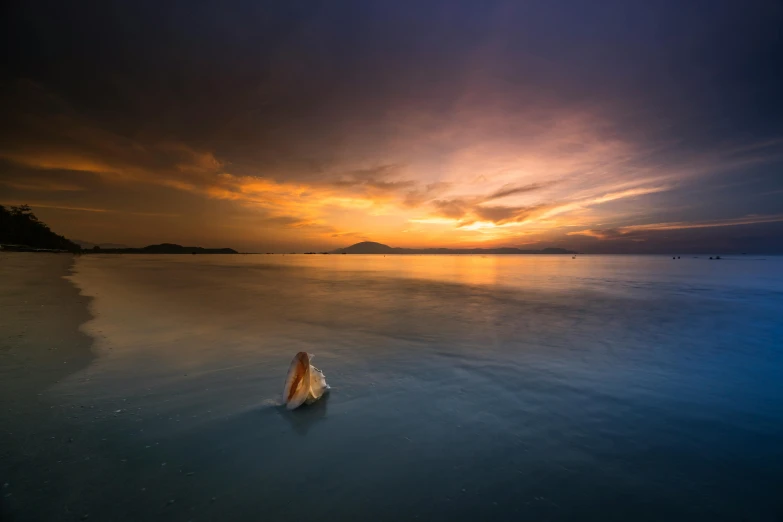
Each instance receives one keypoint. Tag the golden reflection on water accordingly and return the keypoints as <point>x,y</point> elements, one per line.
<point>204,313</point>
<point>463,269</point>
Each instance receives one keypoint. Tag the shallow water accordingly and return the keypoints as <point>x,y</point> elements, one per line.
<point>463,388</point>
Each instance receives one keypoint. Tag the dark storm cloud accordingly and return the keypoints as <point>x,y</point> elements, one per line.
<point>280,74</point>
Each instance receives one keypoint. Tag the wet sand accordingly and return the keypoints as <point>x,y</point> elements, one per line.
<point>40,344</point>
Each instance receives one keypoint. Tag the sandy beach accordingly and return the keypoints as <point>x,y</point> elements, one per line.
<point>40,344</point>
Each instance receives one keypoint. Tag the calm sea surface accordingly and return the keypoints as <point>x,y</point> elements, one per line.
<point>463,388</point>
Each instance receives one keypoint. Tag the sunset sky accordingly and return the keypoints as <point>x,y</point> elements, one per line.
<point>611,126</point>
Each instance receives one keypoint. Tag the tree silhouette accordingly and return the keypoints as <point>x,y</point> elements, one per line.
<point>19,226</point>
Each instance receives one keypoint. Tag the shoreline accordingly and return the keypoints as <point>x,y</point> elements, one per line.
<point>41,344</point>
<point>40,337</point>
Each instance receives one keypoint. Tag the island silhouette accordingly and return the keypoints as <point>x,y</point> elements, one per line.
<point>162,248</point>
<point>371,247</point>
<point>22,231</point>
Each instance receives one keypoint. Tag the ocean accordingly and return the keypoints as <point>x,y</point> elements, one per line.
<point>542,388</point>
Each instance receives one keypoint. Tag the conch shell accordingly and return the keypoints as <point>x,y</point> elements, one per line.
<point>304,384</point>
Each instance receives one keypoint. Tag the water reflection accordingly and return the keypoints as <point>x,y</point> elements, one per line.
<point>305,417</point>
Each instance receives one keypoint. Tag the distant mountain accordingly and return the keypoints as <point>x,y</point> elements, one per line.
<point>370,247</point>
<point>20,230</point>
<point>164,248</point>
<point>366,247</point>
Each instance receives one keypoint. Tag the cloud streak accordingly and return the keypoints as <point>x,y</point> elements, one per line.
<point>628,231</point>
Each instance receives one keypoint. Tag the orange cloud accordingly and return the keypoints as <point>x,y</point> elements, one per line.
<point>58,161</point>
<point>489,173</point>
<point>624,231</point>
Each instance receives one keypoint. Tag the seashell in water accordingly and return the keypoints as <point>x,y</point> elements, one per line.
<point>304,384</point>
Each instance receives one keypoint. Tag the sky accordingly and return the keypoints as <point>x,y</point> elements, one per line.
<point>607,127</point>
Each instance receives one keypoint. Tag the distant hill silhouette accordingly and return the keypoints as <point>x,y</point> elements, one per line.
<point>21,230</point>
<point>164,248</point>
<point>371,247</point>
<point>366,247</point>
